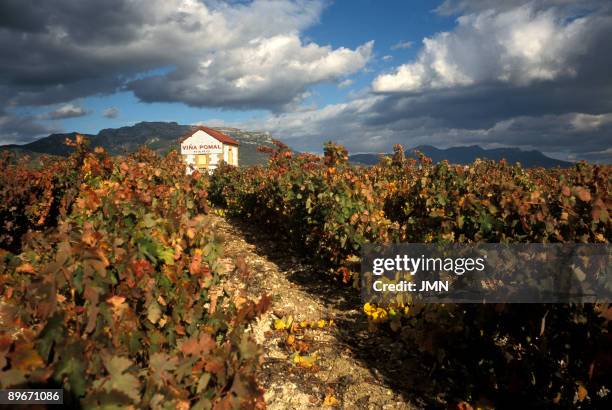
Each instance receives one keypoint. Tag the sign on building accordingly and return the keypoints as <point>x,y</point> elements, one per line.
<point>204,148</point>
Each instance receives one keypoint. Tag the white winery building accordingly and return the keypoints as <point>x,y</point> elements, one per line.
<point>204,148</point>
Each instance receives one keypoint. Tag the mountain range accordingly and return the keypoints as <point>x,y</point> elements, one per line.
<point>159,136</point>
<point>164,136</point>
<point>467,154</point>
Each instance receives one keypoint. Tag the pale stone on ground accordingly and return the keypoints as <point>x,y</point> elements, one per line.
<point>353,384</point>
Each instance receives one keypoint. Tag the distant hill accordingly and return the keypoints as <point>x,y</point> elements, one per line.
<point>467,154</point>
<point>159,136</point>
<point>164,136</point>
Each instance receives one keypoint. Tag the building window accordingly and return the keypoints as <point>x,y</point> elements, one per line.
<point>202,161</point>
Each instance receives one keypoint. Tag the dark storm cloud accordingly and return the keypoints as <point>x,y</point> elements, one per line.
<point>530,76</point>
<point>84,21</point>
<point>53,51</point>
<point>519,74</point>
<point>201,53</point>
<point>222,55</point>
<point>20,128</point>
<point>366,125</point>
<point>453,7</point>
<point>533,75</point>
<point>483,106</point>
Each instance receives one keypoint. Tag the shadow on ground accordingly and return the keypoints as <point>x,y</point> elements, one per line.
<point>471,367</point>
<point>390,362</point>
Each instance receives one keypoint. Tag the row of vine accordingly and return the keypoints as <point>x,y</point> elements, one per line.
<point>110,287</point>
<point>538,354</point>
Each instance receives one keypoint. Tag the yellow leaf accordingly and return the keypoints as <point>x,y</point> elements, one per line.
<point>330,401</point>
<point>279,324</point>
<point>305,361</point>
<point>25,268</point>
<point>183,405</point>
<point>115,301</point>
<point>582,392</point>
<point>239,301</point>
<point>118,305</point>
<point>284,323</point>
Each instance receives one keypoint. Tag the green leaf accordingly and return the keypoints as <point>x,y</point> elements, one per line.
<point>72,367</point>
<point>126,384</point>
<point>154,312</point>
<point>161,366</point>
<point>120,381</point>
<point>248,348</point>
<point>52,333</point>
<point>460,221</point>
<point>117,365</point>
<point>203,383</point>
<point>166,254</point>
<point>148,221</point>
<point>134,342</point>
<point>12,377</point>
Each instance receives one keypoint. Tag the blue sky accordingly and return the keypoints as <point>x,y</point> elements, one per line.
<point>366,73</point>
<point>342,24</point>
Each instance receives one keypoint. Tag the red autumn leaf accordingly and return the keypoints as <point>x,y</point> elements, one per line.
<point>464,405</point>
<point>242,267</point>
<point>214,366</point>
<point>141,267</point>
<point>25,356</point>
<point>346,274</point>
<point>583,194</point>
<point>198,345</point>
<point>196,264</point>
<point>264,304</point>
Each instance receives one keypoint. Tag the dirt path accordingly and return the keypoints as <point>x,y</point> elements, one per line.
<point>353,368</point>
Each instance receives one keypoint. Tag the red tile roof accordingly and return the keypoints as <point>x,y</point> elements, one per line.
<point>226,139</point>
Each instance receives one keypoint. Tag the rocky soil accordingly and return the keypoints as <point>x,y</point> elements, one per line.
<point>347,366</point>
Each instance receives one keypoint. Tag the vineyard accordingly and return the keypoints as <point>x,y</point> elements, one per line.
<point>109,287</point>
<point>111,284</point>
<point>534,354</point>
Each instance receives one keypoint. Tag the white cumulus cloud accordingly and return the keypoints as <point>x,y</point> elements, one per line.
<point>201,53</point>
<point>66,111</point>
<point>519,46</point>
<point>265,72</point>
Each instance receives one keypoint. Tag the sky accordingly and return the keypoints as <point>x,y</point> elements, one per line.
<point>365,73</point>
